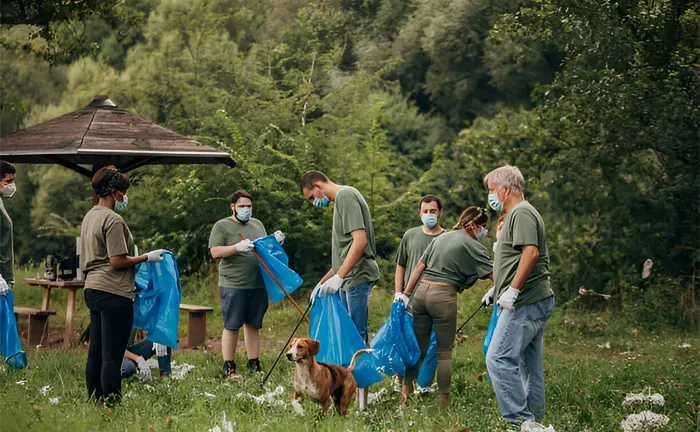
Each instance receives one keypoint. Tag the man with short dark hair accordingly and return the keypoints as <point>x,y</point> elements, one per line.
<point>241,288</point>
<point>416,240</point>
<point>7,190</point>
<point>354,267</point>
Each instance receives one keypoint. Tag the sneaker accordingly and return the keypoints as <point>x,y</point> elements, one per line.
<point>229,368</point>
<point>254,366</point>
<point>533,426</point>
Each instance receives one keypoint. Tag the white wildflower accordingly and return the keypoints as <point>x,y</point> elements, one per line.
<point>374,397</point>
<point>148,387</point>
<point>634,398</point>
<point>643,421</point>
<point>54,400</point>
<point>45,390</point>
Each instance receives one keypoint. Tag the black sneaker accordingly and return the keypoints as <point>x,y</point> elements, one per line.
<point>254,366</point>
<point>229,367</point>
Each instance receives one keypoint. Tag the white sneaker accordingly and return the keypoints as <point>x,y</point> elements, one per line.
<point>533,426</point>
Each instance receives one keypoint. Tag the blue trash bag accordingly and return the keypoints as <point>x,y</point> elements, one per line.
<point>157,304</point>
<point>332,326</point>
<point>429,365</point>
<point>10,346</point>
<point>491,329</point>
<point>395,345</point>
<point>273,255</point>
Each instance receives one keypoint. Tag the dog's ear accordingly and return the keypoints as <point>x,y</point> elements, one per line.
<point>314,347</point>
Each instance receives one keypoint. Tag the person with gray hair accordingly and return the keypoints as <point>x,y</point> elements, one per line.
<point>515,359</point>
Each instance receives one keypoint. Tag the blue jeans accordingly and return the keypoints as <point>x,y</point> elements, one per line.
<point>515,361</point>
<point>145,350</point>
<point>356,301</point>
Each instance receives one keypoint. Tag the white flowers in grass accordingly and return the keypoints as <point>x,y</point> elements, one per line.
<point>45,390</point>
<point>54,400</point>
<point>635,398</point>
<point>179,371</point>
<point>643,421</point>
<point>269,397</point>
<point>226,425</point>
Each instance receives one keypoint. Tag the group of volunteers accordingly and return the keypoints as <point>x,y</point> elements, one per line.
<point>432,267</point>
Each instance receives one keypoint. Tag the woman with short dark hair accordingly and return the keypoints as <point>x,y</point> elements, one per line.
<point>107,258</point>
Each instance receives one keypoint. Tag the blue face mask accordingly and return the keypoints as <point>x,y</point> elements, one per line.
<point>482,234</point>
<point>120,206</point>
<point>322,202</point>
<point>243,214</point>
<point>429,220</point>
<point>495,203</point>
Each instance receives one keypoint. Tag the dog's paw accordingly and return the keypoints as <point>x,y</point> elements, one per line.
<point>297,407</point>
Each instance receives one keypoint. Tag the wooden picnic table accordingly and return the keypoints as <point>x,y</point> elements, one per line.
<point>72,287</point>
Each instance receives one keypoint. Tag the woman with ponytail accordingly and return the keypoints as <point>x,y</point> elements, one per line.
<point>452,263</point>
<point>107,258</point>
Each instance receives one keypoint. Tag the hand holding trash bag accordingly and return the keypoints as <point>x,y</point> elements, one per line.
<point>244,246</point>
<point>402,298</point>
<point>332,285</point>
<point>144,370</point>
<point>487,299</point>
<point>4,287</point>
<point>155,255</point>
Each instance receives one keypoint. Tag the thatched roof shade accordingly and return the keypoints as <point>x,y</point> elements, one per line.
<point>103,134</point>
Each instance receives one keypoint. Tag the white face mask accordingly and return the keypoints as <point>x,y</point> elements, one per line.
<point>9,190</point>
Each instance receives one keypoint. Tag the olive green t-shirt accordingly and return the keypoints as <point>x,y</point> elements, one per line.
<point>103,234</point>
<point>6,245</point>
<point>522,227</point>
<point>240,270</point>
<point>413,245</point>
<point>351,213</point>
<point>457,259</point>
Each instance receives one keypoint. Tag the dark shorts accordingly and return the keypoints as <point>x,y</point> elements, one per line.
<point>243,306</point>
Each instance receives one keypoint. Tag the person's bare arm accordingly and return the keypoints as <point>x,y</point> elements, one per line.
<point>131,356</point>
<point>359,242</point>
<point>398,278</point>
<point>222,251</point>
<point>122,262</point>
<point>528,259</point>
<point>415,276</point>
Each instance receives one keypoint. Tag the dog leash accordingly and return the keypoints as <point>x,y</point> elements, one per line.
<point>262,384</point>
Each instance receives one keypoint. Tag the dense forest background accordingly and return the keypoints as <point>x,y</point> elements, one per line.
<point>596,101</point>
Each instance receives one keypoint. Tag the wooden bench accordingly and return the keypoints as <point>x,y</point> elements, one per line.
<point>196,324</point>
<point>38,320</point>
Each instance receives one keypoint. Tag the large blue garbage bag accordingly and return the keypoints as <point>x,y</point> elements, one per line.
<point>157,304</point>
<point>273,255</point>
<point>332,326</point>
<point>10,346</point>
<point>429,365</point>
<point>395,345</point>
<point>491,329</point>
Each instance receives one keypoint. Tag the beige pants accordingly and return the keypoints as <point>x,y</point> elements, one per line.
<point>434,306</point>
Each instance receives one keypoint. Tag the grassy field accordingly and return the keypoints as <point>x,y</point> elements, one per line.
<point>592,362</point>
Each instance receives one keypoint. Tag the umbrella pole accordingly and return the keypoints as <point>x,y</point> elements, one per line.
<point>276,281</point>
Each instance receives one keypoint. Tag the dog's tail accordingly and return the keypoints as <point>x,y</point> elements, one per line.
<point>354,358</point>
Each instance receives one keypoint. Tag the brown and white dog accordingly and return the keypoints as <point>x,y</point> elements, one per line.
<point>320,381</point>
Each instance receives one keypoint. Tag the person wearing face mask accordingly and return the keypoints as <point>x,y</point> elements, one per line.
<point>107,258</point>
<point>7,190</point>
<point>452,263</point>
<point>354,268</point>
<point>515,358</point>
<point>242,291</point>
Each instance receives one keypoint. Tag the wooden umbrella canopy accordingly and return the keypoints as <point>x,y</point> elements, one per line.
<point>102,134</point>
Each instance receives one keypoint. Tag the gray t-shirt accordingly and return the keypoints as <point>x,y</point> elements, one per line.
<point>413,245</point>
<point>240,270</point>
<point>351,213</point>
<point>457,259</point>
<point>103,235</point>
<point>6,245</point>
<point>522,227</point>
